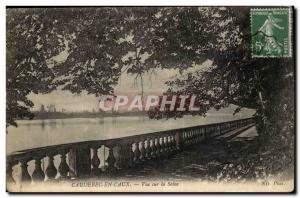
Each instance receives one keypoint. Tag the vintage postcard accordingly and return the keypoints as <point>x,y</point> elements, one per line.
<point>150,99</point>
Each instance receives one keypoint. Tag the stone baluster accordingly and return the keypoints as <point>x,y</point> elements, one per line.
<point>170,144</point>
<point>95,161</point>
<point>38,174</point>
<point>143,151</point>
<point>173,138</point>
<point>184,138</point>
<point>200,134</point>
<point>111,160</point>
<point>197,135</point>
<point>158,151</point>
<point>162,146</point>
<point>165,145</point>
<point>51,170</point>
<point>174,143</point>
<point>193,136</point>
<point>137,153</point>
<point>126,159</point>
<point>169,140</point>
<point>63,167</point>
<point>130,155</point>
<point>25,177</point>
<point>166,140</point>
<point>148,149</point>
<point>79,161</point>
<point>9,171</point>
<point>153,148</point>
<point>121,156</point>
<point>179,140</point>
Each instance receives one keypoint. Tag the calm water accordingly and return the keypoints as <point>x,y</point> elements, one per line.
<point>38,133</point>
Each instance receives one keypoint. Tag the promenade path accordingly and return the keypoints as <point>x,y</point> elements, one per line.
<point>197,162</point>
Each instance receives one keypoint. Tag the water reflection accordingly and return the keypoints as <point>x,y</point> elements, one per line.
<point>101,121</point>
<point>43,125</point>
<point>52,124</point>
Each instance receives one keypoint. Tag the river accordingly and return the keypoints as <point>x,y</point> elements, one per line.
<point>38,133</point>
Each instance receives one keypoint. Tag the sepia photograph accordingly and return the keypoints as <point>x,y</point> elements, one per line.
<point>145,99</point>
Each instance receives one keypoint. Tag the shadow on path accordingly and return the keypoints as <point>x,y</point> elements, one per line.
<point>205,161</point>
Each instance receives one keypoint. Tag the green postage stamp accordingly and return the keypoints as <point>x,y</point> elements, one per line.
<point>271,32</point>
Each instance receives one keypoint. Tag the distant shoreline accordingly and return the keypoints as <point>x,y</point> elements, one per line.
<point>62,115</point>
<point>69,115</point>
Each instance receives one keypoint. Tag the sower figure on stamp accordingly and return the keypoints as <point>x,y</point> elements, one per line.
<point>271,45</point>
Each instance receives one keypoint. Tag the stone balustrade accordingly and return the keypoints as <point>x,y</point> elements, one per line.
<point>94,158</point>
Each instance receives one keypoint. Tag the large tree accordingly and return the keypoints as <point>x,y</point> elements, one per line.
<point>88,37</point>
<point>32,38</point>
<point>223,36</point>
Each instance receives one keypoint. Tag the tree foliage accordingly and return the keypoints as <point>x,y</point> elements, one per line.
<point>263,84</point>
<point>101,43</point>
<point>32,39</point>
<point>93,61</point>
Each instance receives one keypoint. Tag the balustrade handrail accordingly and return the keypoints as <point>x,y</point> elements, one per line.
<point>56,149</point>
<point>98,156</point>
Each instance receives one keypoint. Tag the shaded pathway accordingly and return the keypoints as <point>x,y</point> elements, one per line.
<point>199,162</point>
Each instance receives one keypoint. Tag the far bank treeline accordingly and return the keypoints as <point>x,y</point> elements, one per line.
<point>102,43</point>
